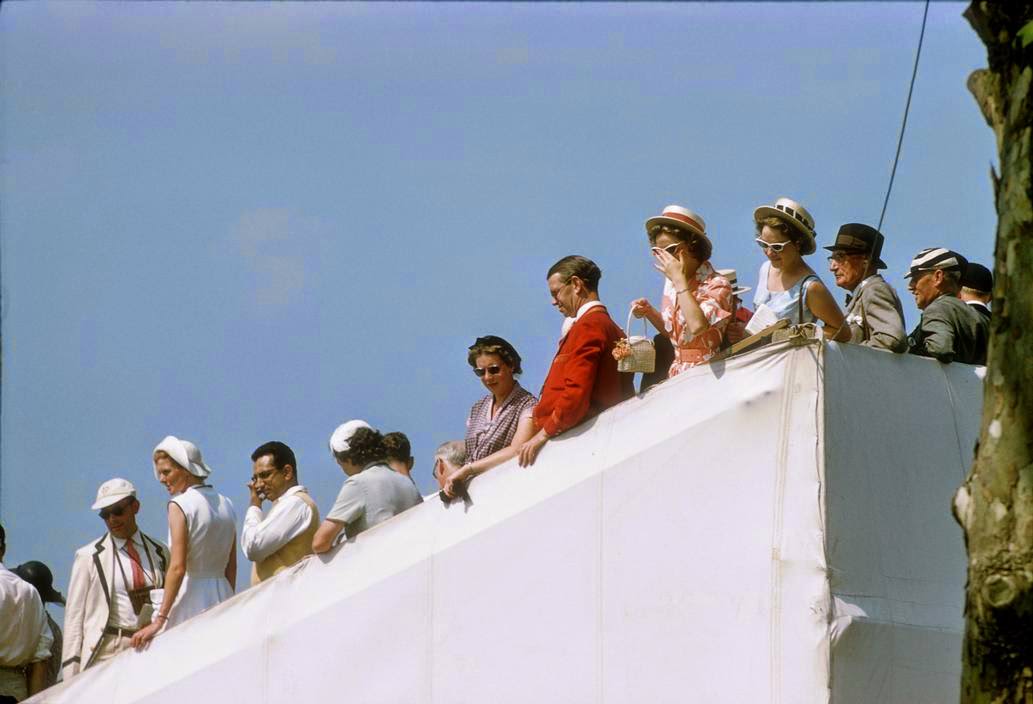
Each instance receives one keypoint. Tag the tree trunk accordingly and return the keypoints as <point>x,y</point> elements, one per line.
<point>995,504</point>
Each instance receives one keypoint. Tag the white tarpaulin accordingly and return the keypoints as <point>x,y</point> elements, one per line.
<point>773,528</point>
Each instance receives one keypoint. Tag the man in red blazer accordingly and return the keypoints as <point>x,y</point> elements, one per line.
<point>583,380</point>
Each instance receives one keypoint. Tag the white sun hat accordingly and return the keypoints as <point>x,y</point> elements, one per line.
<point>185,454</point>
<point>340,440</point>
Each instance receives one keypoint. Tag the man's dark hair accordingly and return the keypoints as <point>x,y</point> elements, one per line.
<point>398,447</point>
<point>581,267</point>
<point>282,455</point>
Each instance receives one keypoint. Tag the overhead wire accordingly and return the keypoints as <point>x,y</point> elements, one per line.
<point>907,109</point>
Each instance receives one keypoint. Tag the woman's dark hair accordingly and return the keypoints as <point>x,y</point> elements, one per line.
<point>780,225</point>
<point>364,446</point>
<point>492,344</point>
<point>699,247</point>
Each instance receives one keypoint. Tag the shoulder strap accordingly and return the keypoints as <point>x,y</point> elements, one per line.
<point>803,292</point>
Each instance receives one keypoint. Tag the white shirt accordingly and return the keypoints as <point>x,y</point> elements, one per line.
<point>25,635</point>
<point>288,518</point>
<point>122,614</point>
<point>568,323</point>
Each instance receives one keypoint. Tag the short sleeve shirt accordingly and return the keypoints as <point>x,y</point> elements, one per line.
<point>371,497</point>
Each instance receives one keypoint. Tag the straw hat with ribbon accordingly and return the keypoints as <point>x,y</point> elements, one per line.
<point>793,214</point>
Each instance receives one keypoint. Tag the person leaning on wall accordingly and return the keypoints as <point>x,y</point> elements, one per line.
<point>372,491</point>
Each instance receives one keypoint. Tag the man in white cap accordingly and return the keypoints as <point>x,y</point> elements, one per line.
<point>949,330</point>
<point>25,636</point>
<point>108,596</point>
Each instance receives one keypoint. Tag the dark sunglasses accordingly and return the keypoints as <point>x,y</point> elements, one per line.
<point>117,510</point>
<point>493,369</point>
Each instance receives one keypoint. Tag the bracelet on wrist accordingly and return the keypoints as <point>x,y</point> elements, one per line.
<point>161,616</point>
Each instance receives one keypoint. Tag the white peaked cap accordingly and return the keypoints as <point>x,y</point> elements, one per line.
<point>112,491</point>
<point>185,454</point>
<point>340,440</point>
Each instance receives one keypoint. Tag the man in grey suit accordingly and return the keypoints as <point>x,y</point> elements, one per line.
<point>949,330</point>
<point>873,309</point>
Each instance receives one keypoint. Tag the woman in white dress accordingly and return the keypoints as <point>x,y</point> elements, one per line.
<point>202,537</point>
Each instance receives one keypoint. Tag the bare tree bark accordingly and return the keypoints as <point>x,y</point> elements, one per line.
<point>995,504</point>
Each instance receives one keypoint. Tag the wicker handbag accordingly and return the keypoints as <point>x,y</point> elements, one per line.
<point>642,357</point>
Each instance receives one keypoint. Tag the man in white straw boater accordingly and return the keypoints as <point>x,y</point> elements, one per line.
<point>109,593</point>
<point>949,330</point>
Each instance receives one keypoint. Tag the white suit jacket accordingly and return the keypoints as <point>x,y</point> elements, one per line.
<point>90,597</point>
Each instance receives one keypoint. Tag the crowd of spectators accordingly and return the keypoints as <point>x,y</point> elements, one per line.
<point>127,587</point>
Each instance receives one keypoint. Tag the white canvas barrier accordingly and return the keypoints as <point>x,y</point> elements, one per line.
<point>773,528</point>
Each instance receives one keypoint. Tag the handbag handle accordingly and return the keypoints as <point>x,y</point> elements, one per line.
<point>627,326</point>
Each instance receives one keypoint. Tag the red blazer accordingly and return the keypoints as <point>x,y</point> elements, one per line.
<point>583,380</point>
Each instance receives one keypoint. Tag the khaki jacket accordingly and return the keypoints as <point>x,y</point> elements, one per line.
<point>90,594</point>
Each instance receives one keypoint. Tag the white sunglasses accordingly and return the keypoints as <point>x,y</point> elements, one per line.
<point>670,249</point>
<point>775,247</point>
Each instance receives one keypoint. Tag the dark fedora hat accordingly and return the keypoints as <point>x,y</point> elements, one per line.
<point>978,278</point>
<point>856,238</point>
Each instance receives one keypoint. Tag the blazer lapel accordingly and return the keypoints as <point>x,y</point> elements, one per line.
<point>98,563</point>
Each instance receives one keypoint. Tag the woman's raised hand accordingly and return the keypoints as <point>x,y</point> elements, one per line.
<point>641,306</point>
<point>671,266</point>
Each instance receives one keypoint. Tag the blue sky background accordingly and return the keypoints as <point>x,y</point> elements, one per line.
<point>244,222</point>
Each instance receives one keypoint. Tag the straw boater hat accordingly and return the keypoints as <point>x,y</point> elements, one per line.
<point>681,218</point>
<point>185,454</point>
<point>733,280</point>
<point>794,214</point>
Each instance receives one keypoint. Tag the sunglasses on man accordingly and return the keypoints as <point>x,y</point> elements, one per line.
<point>116,510</point>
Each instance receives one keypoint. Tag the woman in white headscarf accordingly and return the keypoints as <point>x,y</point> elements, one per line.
<point>202,536</point>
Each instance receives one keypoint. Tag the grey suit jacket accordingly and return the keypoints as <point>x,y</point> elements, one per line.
<point>875,316</point>
<point>951,331</point>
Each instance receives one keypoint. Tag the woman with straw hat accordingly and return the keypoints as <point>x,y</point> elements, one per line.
<point>786,285</point>
<point>697,301</point>
<point>202,536</point>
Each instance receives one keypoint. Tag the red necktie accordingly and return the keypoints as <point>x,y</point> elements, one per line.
<point>134,558</point>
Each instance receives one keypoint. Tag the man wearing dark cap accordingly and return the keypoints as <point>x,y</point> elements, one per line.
<point>39,576</point>
<point>873,309</point>
<point>949,330</point>
<point>977,285</point>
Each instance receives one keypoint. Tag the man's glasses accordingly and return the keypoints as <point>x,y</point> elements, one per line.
<point>117,510</point>
<point>775,247</point>
<point>493,369</point>
<point>843,256</point>
<point>670,249</point>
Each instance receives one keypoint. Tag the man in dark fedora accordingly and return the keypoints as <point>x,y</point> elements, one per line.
<point>949,330</point>
<point>873,309</point>
<point>977,285</point>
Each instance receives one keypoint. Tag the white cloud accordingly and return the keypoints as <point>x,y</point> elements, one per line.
<point>281,249</point>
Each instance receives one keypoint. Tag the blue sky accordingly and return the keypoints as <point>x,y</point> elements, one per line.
<point>244,222</point>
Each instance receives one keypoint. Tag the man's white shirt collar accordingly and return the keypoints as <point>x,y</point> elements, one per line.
<point>120,543</point>
<point>568,323</point>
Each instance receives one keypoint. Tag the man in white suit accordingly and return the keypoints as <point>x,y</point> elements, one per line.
<point>108,597</point>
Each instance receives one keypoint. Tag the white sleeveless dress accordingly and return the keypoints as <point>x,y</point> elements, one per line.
<point>211,533</point>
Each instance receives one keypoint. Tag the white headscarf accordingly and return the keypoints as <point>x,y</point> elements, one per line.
<point>340,440</point>
<point>185,454</point>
